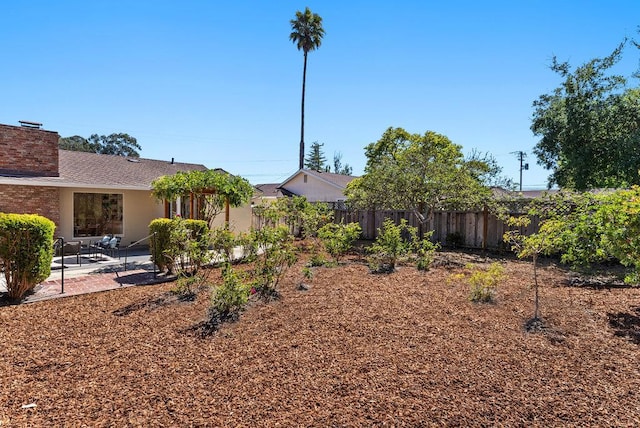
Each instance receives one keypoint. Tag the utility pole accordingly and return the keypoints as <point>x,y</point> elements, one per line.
<point>523,166</point>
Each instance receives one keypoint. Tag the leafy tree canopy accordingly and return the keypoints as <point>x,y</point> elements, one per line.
<point>484,167</point>
<point>413,171</point>
<point>589,126</point>
<point>113,144</point>
<point>236,189</point>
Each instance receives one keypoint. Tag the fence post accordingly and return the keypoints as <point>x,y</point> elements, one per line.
<point>62,268</point>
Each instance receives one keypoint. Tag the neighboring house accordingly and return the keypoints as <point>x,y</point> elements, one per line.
<point>317,186</point>
<point>86,195</point>
<point>267,193</point>
<point>500,192</point>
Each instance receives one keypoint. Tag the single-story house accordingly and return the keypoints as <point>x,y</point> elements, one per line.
<point>87,195</point>
<point>316,186</point>
<point>267,193</point>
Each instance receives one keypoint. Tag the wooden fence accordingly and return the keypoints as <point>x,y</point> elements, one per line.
<point>469,229</point>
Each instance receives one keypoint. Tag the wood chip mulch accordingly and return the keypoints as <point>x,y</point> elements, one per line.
<point>355,349</point>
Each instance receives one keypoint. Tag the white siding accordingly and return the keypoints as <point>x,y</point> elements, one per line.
<point>314,189</point>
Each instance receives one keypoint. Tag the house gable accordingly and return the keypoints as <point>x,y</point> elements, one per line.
<point>317,186</point>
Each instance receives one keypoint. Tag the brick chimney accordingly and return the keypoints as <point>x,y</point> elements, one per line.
<point>28,150</point>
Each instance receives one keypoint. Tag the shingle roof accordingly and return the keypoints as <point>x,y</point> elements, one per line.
<point>115,171</point>
<point>81,169</point>
<point>269,189</point>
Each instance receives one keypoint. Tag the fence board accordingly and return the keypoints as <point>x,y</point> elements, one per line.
<point>473,226</point>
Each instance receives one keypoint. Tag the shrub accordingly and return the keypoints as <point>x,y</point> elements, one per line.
<point>160,230</point>
<point>223,241</point>
<point>179,244</point>
<point>389,246</point>
<point>339,238</point>
<point>198,248</point>
<point>26,251</point>
<point>484,283</point>
<point>314,217</point>
<point>188,245</point>
<point>425,252</point>
<point>186,286</point>
<point>307,273</point>
<point>248,247</point>
<point>278,254</point>
<point>316,260</point>
<point>229,298</point>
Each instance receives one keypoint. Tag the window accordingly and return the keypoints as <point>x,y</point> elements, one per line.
<point>97,214</point>
<point>181,206</point>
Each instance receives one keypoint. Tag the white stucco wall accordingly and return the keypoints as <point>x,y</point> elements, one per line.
<point>314,189</point>
<point>239,219</point>
<point>139,208</point>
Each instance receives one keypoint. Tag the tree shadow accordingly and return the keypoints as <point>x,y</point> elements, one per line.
<point>626,324</point>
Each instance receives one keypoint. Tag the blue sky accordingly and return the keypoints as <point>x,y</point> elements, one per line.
<point>219,83</point>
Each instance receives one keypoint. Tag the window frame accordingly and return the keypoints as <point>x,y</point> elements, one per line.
<point>110,195</point>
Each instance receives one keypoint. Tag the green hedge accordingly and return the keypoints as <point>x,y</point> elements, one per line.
<point>161,245</point>
<point>26,251</point>
<point>161,228</point>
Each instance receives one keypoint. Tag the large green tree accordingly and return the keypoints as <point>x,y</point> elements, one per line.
<point>589,127</point>
<point>315,160</point>
<point>421,172</point>
<point>307,34</point>
<point>114,144</point>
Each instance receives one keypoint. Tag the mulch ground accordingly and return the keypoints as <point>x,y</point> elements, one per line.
<point>356,349</point>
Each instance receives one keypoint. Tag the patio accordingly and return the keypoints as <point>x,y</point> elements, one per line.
<point>90,273</point>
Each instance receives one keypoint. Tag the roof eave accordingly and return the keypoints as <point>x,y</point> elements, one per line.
<point>13,181</point>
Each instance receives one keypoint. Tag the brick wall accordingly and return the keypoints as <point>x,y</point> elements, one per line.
<point>44,201</point>
<point>28,151</point>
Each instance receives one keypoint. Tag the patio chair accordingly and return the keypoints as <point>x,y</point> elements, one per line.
<point>114,246</point>
<point>100,246</point>
<point>70,248</point>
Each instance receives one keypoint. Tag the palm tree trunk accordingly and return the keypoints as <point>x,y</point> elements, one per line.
<point>304,81</point>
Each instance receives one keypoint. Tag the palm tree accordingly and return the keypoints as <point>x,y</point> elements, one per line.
<point>306,33</point>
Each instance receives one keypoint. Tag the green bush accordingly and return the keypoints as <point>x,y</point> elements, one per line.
<point>314,217</point>
<point>179,244</point>
<point>188,248</point>
<point>229,298</point>
<point>277,254</point>
<point>339,238</point>
<point>389,246</point>
<point>248,247</point>
<point>425,252</point>
<point>316,260</point>
<point>223,241</point>
<point>485,282</point>
<point>160,229</point>
<point>185,286</point>
<point>400,241</point>
<point>26,251</point>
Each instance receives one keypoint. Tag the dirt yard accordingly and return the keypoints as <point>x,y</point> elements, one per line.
<point>356,349</point>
